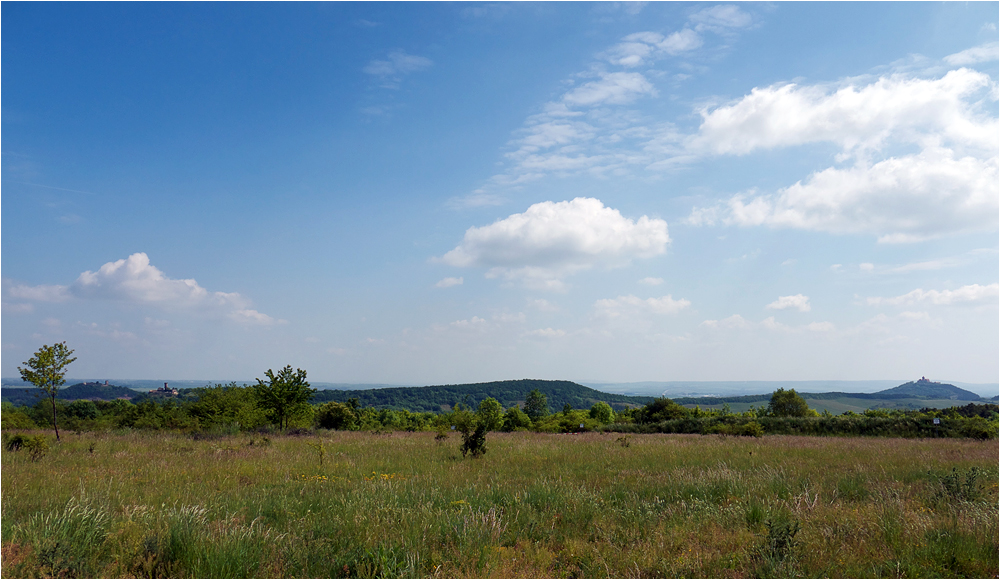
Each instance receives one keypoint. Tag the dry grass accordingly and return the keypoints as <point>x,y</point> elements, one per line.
<point>401,505</point>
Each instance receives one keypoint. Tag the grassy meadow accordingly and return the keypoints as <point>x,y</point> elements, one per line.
<point>362,504</point>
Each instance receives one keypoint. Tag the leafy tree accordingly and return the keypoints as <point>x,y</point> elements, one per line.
<point>283,394</point>
<point>602,412</point>
<point>338,416</point>
<point>787,404</point>
<point>536,405</point>
<point>515,419</point>
<point>662,409</point>
<point>567,409</point>
<point>490,414</point>
<point>47,371</point>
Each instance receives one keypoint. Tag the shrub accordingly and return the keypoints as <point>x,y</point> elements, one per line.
<point>979,428</point>
<point>37,446</point>
<point>602,412</point>
<point>336,416</point>
<point>474,442</point>
<point>515,419</point>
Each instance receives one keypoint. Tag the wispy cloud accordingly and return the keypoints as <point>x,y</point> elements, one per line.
<point>971,294</point>
<point>391,70</point>
<point>798,302</point>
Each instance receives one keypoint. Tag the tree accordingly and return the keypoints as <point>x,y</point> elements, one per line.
<point>602,412</point>
<point>335,415</point>
<point>515,419</point>
<point>47,371</point>
<point>787,404</point>
<point>536,405</point>
<point>490,413</point>
<point>662,409</point>
<point>283,394</point>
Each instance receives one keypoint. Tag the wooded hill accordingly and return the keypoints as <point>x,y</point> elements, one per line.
<point>441,398</point>
<point>19,396</point>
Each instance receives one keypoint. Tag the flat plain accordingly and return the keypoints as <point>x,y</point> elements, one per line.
<point>362,504</point>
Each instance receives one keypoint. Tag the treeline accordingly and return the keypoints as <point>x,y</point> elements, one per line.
<point>788,414</point>
<point>229,409</point>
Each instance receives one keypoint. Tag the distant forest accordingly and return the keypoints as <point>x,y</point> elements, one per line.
<point>442,398</point>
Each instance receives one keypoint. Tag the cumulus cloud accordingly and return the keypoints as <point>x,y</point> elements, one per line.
<point>949,186</point>
<point>552,240</point>
<point>914,110</point>
<point>798,302</point>
<point>134,280</point>
<point>651,281</point>
<point>615,307</point>
<point>971,294</point>
<point>902,199</point>
<point>449,282</point>
<point>983,53</point>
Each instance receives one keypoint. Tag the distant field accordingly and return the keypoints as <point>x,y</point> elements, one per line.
<point>594,505</point>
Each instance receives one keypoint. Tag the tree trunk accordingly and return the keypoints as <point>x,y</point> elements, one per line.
<point>54,425</point>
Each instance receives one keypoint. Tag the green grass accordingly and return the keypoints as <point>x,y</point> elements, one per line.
<point>536,505</point>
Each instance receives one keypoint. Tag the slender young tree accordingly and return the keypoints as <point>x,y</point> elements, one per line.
<point>283,393</point>
<point>47,371</point>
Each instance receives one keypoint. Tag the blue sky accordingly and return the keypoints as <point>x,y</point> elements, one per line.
<point>436,193</point>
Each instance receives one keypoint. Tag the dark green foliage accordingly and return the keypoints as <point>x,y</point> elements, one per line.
<point>536,405</point>
<point>515,419</point>
<point>47,371</point>
<point>750,429</point>
<point>474,441</point>
<point>223,405</point>
<point>283,394</point>
<point>661,409</point>
<point>787,404</point>
<point>437,398</point>
<point>338,416</point>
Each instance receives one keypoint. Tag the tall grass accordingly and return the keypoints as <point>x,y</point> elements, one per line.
<point>401,505</point>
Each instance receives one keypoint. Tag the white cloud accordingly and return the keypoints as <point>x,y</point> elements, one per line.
<point>615,307</point>
<point>913,110</point>
<point>798,301</point>
<point>250,316</point>
<point>41,293</point>
<point>449,282</point>
<point>971,294</point>
<point>901,199</point>
<point>983,53</point>
<point>821,327</point>
<point>615,88</point>
<point>721,18</point>
<point>651,281</point>
<point>866,267</point>
<point>734,321</point>
<point>395,66</point>
<point>542,305</point>
<point>552,240</point>
<point>134,280</point>
<point>910,315</point>
<point>545,333</point>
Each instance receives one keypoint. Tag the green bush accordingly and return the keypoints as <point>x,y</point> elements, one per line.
<point>336,416</point>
